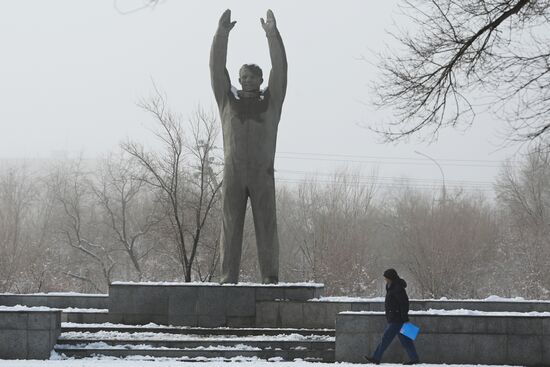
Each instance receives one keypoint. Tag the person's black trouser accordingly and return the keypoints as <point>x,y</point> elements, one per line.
<point>392,329</point>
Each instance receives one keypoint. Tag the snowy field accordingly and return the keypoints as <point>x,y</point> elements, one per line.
<point>172,363</point>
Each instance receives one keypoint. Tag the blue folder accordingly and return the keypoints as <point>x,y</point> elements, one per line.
<point>410,330</point>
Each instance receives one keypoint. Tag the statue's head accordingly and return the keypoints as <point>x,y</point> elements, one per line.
<point>250,77</point>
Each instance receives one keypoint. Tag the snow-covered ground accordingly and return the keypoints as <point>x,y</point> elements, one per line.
<point>44,308</point>
<point>459,312</point>
<point>158,336</point>
<point>442,299</point>
<point>212,284</point>
<point>173,363</point>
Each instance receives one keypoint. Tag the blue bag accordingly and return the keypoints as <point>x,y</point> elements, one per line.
<point>410,330</point>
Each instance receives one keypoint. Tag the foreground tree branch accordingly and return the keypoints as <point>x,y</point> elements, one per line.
<point>493,52</point>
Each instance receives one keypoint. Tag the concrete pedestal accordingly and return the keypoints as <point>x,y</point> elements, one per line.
<point>199,304</point>
<point>28,334</point>
<point>451,339</point>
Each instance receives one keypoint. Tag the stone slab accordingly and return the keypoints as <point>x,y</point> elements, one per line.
<point>28,334</point>
<point>450,339</point>
<point>199,304</point>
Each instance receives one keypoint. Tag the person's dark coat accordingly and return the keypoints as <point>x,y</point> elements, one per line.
<point>397,301</point>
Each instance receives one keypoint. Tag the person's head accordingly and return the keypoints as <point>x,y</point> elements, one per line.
<point>390,275</point>
<point>250,77</point>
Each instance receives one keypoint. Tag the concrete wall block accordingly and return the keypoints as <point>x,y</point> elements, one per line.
<point>40,320</point>
<point>240,301</point>
<point>359,324</point>
<point>428,348</point>
<point>316,315</point>
<point>524,325</point>
<point>318,292</point>
<point>488,349</point>
<point>13,320</point>
<point>267,314</point>
<point>39,344</point>
<point>182,319</point>
<point>142,318</point>
<point>269,293</point>
<point>455,348</point>
<point>524,350</point>
<point>497,325</point>
<point>299,293</point>
<point>182,301</point>
<point>546,350</point>
<point>291,314</point>
<point>351,347</point>
<point>365,306</point>
<point>237,321</point>
<point>13,344</point>
<point>546,326</point>
<point>214,320</point>
<point>455,324</point>
<point>211,302</point>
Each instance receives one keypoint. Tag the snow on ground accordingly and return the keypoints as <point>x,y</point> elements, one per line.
<point>212,284</point>
<point>85,310</point>
<point>150,336</point>
<point>27,308</point>
<point>442,299</point>
<point>65,294</point>
<point>133,362</point>
<point>44,308</point>
<point>153,325</point>
<point>459,312</point>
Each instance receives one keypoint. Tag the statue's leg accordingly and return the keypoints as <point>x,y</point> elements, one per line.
<point>234,209</point>
<point>262,198</point>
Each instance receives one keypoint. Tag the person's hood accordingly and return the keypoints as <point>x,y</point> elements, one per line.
<point>399,283</point>
<point>402,282</point>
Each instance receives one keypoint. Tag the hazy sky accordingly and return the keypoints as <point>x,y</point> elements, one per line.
<point>71,73</point>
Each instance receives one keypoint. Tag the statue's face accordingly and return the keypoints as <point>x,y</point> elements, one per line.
<point>250,81</point>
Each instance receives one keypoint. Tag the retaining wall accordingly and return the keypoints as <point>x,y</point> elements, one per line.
<point>322,314</point>
<point>56,300</point>
<point>448,339</point>
<point>208,305</point>
<point>28,334</point>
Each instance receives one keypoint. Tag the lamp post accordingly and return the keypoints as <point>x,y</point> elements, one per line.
<point>444,191</point>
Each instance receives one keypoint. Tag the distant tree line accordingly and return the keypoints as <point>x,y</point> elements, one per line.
<point>154,214</point>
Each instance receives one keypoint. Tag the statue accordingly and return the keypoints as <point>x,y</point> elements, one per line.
<point>249,118</point>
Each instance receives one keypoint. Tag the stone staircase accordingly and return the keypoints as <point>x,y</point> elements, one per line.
<point>194,343</point>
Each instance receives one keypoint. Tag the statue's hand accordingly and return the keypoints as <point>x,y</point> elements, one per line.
<point>270,24</point>
<point>225,24</point>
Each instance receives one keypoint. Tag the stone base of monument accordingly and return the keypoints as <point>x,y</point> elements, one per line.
<point>451,338</point>
<point>189,344</point>
<point>200,304</point>
<point>321,313</point>
<point>27,333</point>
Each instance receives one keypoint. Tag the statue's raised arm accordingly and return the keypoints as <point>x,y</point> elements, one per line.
<point>278,75</point>
<point>221,84</point>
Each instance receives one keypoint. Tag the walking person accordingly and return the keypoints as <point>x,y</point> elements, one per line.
<point>397,313</point>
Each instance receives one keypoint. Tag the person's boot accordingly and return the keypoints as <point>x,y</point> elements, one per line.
<point>372,360</point>
<point>409,363</point>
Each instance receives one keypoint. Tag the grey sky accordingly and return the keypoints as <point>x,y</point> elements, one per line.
<point>71,73</point>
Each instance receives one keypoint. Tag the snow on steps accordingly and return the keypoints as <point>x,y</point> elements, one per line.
<point>186,343</point>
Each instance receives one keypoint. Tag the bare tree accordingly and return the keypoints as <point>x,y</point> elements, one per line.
<point>73,192</point>
<point>524,193</point>
<point>17,193</point>
<point>447,246</point>
<point>327,232</point>
<point>183,172</point>
<point>130,213</point>
<point>493,51</point>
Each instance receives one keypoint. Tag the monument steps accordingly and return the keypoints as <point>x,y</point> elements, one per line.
<point>194,344</point>
<point>94,328</point>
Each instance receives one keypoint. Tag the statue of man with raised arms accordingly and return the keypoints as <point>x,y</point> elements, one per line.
<point>249,118</point>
